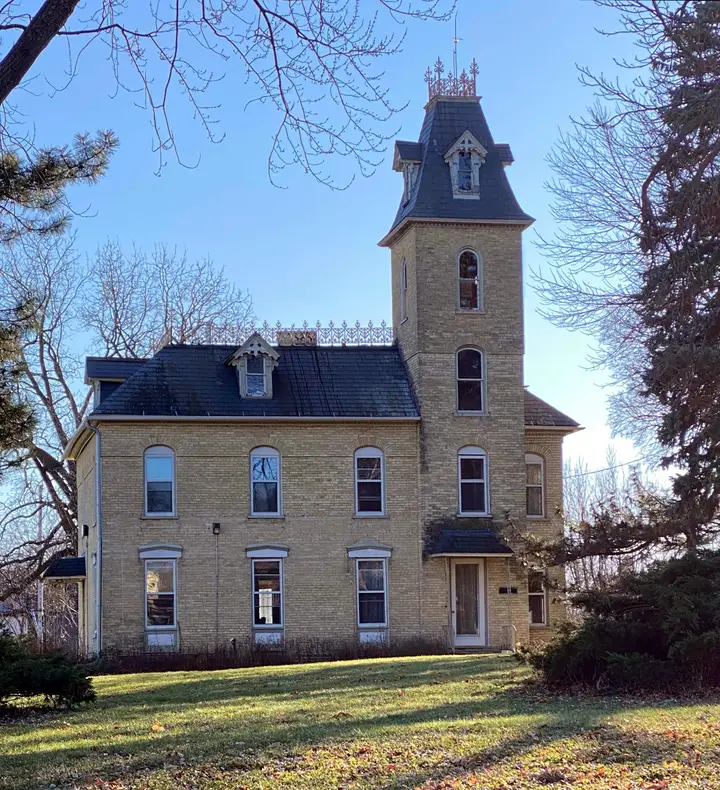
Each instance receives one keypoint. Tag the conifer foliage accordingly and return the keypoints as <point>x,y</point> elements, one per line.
<point>679,302</point>
<point>16,418</point>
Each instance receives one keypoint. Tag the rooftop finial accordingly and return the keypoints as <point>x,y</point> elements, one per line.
<point>440,84</point>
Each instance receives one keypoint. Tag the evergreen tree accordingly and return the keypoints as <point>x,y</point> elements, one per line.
<point>679,302</point>
<point>16,418</point>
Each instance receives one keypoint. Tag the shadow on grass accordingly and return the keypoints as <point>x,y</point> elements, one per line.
<point>240,743</point>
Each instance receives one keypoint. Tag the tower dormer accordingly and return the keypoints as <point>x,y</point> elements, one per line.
<point>255,361</point>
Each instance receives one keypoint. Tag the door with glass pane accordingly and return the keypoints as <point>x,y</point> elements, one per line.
<point>468,602</point>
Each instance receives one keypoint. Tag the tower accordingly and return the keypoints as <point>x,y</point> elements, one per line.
<point>458,314</point>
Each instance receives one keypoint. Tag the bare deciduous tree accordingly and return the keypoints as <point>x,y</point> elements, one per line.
<point>602,181</point>
<point>121,306</point>
<point>313,60</point>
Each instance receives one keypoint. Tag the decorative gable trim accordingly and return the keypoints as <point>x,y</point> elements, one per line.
<point>466,185</point>
<point>253,349</point>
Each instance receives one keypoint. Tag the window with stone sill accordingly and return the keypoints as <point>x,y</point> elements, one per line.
<point>470,380</point>
<point>534,486</point>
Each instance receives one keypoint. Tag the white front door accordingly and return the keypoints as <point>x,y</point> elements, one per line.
<point>468,602</point>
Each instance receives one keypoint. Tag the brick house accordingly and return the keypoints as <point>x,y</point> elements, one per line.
<point>280,487</point>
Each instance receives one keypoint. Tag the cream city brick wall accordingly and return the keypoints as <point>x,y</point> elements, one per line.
<point>430,337</point>
<point>548,445</point>
<point>87,515</point>
<point>318,525</point>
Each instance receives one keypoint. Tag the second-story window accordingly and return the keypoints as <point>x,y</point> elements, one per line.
<point>255,376</point>
<point>469,281</point>
<point>265,493</point>
<point>159,481</point>
<point>534,486</point>
<point>470,395</point>
<point>472,481</point>
<point>369,482</point>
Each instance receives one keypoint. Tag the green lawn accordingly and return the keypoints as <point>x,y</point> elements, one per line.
<point>433,723</point>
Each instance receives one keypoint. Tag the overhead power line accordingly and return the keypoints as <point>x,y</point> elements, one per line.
<point>606,469</point>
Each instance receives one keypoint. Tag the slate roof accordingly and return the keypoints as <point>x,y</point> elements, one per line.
<point>467,541</point>
<point>445,121</point>
<point>542,414</point>
<point>409,152</point>
<point>66,567</point>
<point>505,153</point>
<point>309,381</point>
<point>111,367</point>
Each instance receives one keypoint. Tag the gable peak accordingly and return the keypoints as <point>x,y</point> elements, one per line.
<point>254,346</point>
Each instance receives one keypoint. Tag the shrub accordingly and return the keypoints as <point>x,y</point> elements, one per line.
<point>53,677</point>
<point>659,629</point>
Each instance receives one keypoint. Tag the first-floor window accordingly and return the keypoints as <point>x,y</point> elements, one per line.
<point>160,604</point>
<point>265,481</point>
<point>472,481</point>
<point>537,598</point>
<point>267,592</point>
<point>372,592</point>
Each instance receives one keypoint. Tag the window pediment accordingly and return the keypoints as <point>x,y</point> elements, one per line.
<point>465,158</point>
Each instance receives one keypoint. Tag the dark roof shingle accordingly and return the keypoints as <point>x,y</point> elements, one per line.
<point>309,381</point>
<point>111,367</point>
<point>409,152</point>
<point>542,414</point>
<point>66,568</point>
<point>467,541</point>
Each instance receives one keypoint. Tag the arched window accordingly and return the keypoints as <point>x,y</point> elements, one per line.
<point>265,482</point>
<point>403,290</point>
<point>535,486</point>
<point>159,464</point>
<point>369,482</point>
<point>469,281</point>
<point>472,481</point>
<point>470,383</point>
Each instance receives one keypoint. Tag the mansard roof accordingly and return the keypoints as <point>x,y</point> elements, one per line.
<point>310,381</point>
<point>445,120</point>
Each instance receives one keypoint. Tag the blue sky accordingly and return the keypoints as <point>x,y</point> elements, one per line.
<point>308,253</point>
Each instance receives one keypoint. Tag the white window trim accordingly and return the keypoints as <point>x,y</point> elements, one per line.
<point>483,377</point>
<point>403,291</point>
<point>534,458</point>
<point>159,451</point>
<point>173,627</point>
<point>370,452</point>
<point>268,626</point>
<point>478,281</point>
<point>544,597</point>
<point>473,452</point>
<point>371,626</point>
<point>266,452</point>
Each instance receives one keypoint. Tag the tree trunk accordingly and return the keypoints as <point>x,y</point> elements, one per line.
<point>41,30</point>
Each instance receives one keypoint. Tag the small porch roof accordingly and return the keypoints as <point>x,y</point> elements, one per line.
<point>64,569</point>
<point>468,542</point>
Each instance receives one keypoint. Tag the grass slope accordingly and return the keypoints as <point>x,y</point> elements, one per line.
<point>431,723</point>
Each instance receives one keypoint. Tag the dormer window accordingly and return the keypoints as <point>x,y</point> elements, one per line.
<point>410,174</point>
<point>465,158</point>
<point>255,361</point>
<point>465,172</point>
<point>255,377</point>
